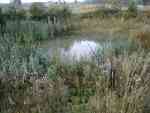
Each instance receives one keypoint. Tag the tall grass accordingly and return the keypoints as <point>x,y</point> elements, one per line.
<point>124,89</point>
<point>35,30</point>
<point>118,84</point>
<point>37,23</point>
<point>84,87</point>
<point>16,58</point>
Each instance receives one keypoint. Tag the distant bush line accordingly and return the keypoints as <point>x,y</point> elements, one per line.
<point>36,23</point>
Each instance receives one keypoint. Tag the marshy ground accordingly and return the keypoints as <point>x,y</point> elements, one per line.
<point>89,63</point>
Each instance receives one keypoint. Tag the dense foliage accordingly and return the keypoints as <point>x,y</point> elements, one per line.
<point>16,58</point>
<point>82,87</point>
<point>37,11</point>
<point>32,82</point>
<point>37,23</point>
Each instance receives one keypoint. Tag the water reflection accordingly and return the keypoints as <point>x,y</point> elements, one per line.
<point>80,49</point>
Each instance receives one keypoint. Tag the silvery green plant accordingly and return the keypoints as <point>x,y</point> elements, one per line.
<point>36,30</point>
<point>114,47</point>
<point>21,59</point>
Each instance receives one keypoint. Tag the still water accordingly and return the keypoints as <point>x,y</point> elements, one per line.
<point>82,47</point>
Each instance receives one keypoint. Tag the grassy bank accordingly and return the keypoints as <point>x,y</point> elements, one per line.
<point>81,87</point>
<point>136,29</point>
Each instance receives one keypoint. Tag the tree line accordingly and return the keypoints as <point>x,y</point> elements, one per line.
<point>36,12</point>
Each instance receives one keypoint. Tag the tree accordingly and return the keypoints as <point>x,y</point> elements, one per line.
<point>37,11</point>
<point>10,13</point>
<point>16,3</point>
<point>75,1</point>
<point>132,10</point>
<point>2,22</point>
<point>13,13</point>
<point>114,4</point>
<point>1,15</point>
<point>21,14</point>
<point>132,6</point>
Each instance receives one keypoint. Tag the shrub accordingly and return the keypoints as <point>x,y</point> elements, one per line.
<point>146,13</point>
<point>28,30</point>
<point>1,15</point>
<point>33,30</point>
<point>143,37</point>
<point>83,87</point>
<point>21,59</point>
<point>37,11</point>
<point>36,95</point>
<point>2,22</point>
<point>21,14</point>
<point>58,13</point>
<point>15,22</point>
<point>102,13</point>
<point>10,13</point>
<point>13,13</point>
<point>123,89</point>
<point>132,10</point>
<point>132,6</point>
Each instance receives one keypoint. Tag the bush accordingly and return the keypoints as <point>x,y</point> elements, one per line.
<point>16,58</point>
<point>132,10</point>
<point>10,13</point>
<point>39,27</point>
<point>28,30</point>
<point>21,14</point>
<point>58,13</point>
<point>85,87</point>
<point>30,96</point>
<point>101,13</point>
<point>124,92</point>
<point>146,13</point>
<point>1,15</point>
<point>13,13</point>
<point>2,22</point>
<point>144,38</point>
<point>38,11</point>
<point>32,30</point>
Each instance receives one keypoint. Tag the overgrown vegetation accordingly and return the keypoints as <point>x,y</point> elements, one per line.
<point>21,58</point>
<point>82,87</point>
<point>37,23</point>
<point>115,81</point>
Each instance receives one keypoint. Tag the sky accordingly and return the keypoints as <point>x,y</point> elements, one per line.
<point>27,1</point>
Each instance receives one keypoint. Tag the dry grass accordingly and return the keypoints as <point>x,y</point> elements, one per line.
<point>143,36</point>
<point>111,25</point>
<point>87,8</point>
<point>134,29</point>
<point>123,90</point>
<point>32,96</point>
<point>131,85</point>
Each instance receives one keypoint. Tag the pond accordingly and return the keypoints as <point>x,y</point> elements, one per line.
<point>82,47</point>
